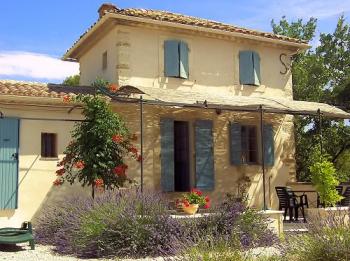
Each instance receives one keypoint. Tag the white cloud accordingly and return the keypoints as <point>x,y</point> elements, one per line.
<point>35,65</point>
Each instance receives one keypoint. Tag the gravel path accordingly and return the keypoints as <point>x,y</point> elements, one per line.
<point>22,252</point>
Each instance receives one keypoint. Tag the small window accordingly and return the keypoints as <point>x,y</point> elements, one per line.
<point>176,59</point>
<point>249,68</point>
<point>49,145</point>
<point>249,145</point>
<point>104,60</point>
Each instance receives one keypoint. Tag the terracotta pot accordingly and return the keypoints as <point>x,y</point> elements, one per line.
<point>191,209</point>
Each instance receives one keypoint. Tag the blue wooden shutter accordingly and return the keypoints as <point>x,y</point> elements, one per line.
<point>204,155</point>
<point>246,67</point>
<point>235,143</point>
<point>269,148</point>
<point>8,163</point>
<point>184,68</point>
<point>256,61</point>
<point>171,58</point>
<point>167,154</point>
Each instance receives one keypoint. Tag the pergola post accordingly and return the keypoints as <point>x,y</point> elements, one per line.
<point>263,152</point>
<point>141,140</point>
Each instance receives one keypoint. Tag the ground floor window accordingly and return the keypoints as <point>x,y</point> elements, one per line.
<point>49,145</point>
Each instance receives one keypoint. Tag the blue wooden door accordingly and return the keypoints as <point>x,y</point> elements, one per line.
<point>8,163</point>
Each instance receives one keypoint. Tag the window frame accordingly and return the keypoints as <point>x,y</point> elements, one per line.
<point>247,141</point>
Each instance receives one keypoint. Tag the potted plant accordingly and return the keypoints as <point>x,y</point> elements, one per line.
<point>190,202</point>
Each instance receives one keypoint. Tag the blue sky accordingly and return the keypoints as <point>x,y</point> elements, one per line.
<point>37,33</point>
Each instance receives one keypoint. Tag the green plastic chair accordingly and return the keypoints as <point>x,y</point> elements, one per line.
<point>11,235</point>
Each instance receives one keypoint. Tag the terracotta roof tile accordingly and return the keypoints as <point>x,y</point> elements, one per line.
<point>35,89</point>
<point>193,21</point>
<point>190,20</point>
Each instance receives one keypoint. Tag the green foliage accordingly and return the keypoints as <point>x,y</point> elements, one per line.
<point>100,82</point>
<point>325,180</point>
<point>320,75</point>
<point>72,80</point>
<point>296,29</point>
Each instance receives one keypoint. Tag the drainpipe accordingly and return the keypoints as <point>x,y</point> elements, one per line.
<point>263,152</point>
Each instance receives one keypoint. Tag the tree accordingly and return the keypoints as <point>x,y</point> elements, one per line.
<point>96,155</point>
<point>72,80</point>
<point>321,76</point>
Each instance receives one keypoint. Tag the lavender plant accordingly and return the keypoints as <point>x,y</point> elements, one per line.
<point>328,239</point>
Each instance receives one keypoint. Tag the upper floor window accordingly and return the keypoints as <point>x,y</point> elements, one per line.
<point>104,60</point>
<point>49,145</point>
<point>249,68</point>
<point>176,59</point>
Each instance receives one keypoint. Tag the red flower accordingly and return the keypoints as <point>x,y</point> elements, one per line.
<point>66,98</point>
<point>98,182</point>
<point>207,199</point>
<point>186,203</point>
<point>133,150</point>
<point>117,138</point>
<point>206,206</point>
<point>58,182</point>
<point>139,158</point>
<point>79,165</point>
<point>120,170</point>
<point>197,191</point>
<point>60,172</point>
<point>113,87</point>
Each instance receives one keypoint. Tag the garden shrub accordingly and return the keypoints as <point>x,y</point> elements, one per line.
<point>235,223</point>
<point>328,239</point>
<point>325,180</point>
<point>128,224</point>
<point>124,224</point>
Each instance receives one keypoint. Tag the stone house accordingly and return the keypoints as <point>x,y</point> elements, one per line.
<point>216,104</point>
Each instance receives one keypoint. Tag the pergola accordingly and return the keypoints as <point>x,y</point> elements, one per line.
<point>206,100</point>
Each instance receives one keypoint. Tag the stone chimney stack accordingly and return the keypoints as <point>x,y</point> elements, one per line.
<point>106,7</point>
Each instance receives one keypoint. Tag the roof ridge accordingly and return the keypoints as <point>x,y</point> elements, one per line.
<point>120,11</point>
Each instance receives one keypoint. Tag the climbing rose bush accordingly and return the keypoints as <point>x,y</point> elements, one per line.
<point>96,155</point>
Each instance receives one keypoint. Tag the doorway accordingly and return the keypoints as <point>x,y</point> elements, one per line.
<point>182,156</point>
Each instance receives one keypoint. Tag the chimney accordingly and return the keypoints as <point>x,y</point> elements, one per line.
<point>106,7</point>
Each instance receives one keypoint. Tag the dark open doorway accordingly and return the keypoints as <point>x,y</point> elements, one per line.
<point>181,156</point>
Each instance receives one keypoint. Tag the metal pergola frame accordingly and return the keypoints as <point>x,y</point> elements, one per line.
<point>124,98</point>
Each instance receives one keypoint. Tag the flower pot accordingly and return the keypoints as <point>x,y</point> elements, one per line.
<point>191,209</point>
